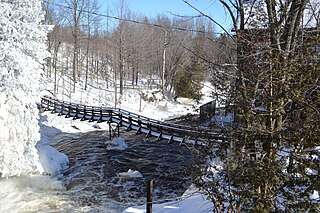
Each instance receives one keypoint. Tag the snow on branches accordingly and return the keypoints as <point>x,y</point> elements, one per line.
<point>22,50</point>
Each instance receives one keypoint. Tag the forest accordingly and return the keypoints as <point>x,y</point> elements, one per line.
<point>177,53</point>
<point>267,68</point>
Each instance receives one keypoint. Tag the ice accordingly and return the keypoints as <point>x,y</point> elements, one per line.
<point>117,144</point>
<point>131,174</point>
<point>52,160</point>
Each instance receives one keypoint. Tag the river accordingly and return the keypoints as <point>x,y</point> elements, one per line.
<point>93,181</point>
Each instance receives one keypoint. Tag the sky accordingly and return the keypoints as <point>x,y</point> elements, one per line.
<point>151,8</point>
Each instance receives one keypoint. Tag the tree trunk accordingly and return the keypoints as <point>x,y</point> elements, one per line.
<point>121,71</point>
<point>87,68</point>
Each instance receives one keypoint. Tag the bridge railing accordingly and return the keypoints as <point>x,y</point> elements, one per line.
<point>126,118</point>
<point>125,112</point>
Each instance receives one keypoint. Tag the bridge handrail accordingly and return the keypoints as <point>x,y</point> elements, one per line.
<point>93,112</point>
<point>162,126</point>
<point>137,116</point>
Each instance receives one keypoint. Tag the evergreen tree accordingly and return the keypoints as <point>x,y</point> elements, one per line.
<point>22,49</point>
<point>189,80</point>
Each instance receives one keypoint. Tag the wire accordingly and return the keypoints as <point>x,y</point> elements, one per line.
<point>133,21</point>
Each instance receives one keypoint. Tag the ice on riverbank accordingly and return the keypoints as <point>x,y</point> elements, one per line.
<point>190,202</point>
<point>52,160</point>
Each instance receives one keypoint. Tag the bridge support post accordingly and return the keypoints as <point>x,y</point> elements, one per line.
<point>149,196</point>
<point>114,132</point>
<point>110,131</point>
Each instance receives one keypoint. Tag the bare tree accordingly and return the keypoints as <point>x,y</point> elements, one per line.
<point>91,7</point>
<point>122,11</point>
<point>75,15</point>
<point>276,111</point>
<point>55,39</point>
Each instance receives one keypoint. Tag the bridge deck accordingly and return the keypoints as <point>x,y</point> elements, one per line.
<point>141,124</point>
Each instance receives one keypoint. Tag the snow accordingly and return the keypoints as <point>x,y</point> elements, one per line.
<point>117,144</point>
<point>135,100</point>
<point>22,49</point>
<point>186,101</point>
<point>193,204</point>
<point>314,195</point>
<point>131,174</point>
<point>52,160</point>
<point>192,201</point>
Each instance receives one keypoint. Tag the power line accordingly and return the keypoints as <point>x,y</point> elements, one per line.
<point>133,21</point>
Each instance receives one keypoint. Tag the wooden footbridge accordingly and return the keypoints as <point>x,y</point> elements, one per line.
<point>117,118</point>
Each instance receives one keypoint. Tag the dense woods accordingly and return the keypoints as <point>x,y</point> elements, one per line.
<point>120,46</point>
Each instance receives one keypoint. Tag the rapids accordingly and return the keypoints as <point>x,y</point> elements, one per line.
<point>93,181</point>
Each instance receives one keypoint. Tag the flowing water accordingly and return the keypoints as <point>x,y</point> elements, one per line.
<point>93,184</point>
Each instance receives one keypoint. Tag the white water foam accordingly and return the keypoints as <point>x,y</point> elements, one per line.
<point>32,194</point>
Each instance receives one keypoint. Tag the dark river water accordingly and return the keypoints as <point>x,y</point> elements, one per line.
<point>93,181</point>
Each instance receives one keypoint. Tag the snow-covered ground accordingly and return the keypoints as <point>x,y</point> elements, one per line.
<point>192,201</point>
<point>53,128</point>
<point>134,100</point>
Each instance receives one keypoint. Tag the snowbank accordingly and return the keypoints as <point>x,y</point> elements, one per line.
<point>192,201</point>
<point>52,160</point>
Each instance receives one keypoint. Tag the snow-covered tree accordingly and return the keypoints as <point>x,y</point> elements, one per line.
<point>22,49</point>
